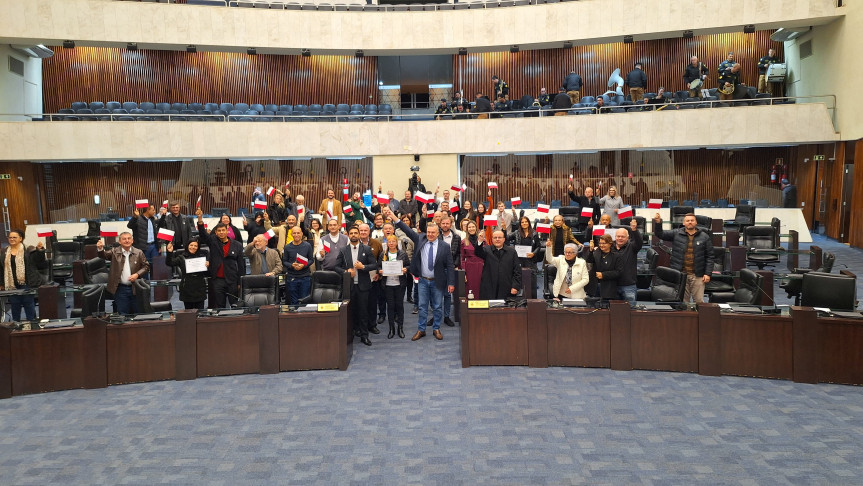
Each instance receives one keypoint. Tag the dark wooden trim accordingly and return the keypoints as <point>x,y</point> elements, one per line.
<point>95,353</point>
<point>5,362</point>
<point>537,334</point>
<point>621,336</point>
<point>185,344</point>
<point>805,344</point>
<point>709,340</point>
<point>268,328</point>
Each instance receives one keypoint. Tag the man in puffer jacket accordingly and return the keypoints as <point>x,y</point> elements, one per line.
<point>691,253</point>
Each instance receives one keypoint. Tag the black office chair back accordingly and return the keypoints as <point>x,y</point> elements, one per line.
<point>775,224</point>
<point>65,253</point>
<point>92,301</point>
<point>640,223</point>
<point>94,227</point>
<point>569,211</point>
<point>668,285</point>
<point>677,214</point>
<point>47,273</point>
<point>95,271</point>
<point>827,261</point>
<point>744,215</point>
<point>749,290</point>
<point>719,259</point>
<point>704,223</point>
<point>258,290</point>
<point>326,286</point>
<point>832,290</point>
<point>142,297</point>
<point>759,237</point>
<point>550,272</point>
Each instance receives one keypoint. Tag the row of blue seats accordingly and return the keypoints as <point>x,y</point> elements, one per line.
<point>313,109</point>
<point>120,114</point>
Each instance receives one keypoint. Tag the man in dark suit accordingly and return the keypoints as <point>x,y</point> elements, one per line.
<point>432,264</point>
<point>359,262</point>
<point>501,273</point>
<point>226,267</point>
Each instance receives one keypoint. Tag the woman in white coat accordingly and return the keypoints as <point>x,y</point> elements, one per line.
<point>572,273</point>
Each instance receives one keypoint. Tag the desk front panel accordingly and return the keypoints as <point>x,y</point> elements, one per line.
<point>579,338</point>
<point>309,340</point>
<point>840,353</point>
<point>498,337</point>
<point>759,345</point>
<point>141,352</point>
<point>666,341</point>
<point>47,360</point>
<point>228,345</point>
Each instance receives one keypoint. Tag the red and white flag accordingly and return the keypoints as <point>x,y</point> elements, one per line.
<point>516,201</point>
<point>165,234</point>
<point>598,230</point>
<point>300,209</point>
<point>654,203</point>
<point>429,214</point>
<point>423,197</point>
<point>288,184</point>
<point>543,228</point>
<point>165,204</point>
<point>198,204</point>
<point>492,185</point>
<point>329,215</point>
<point>302,259</point>
<point>453,209</point>
<point>570,177</point>
<point>348,209</point>
<point>625,212</point>
<point>455,188</point>
<point>489,220</point>
<point>383,199</point>
<point>44,232</point>
<point>542,208</point>
<point>107,232</point>
<point>141,203</point>
<point>326,244</point>
<point>262,205</point>
<point>271,191</point>
<point>269,234</point>
<point>587,212</point>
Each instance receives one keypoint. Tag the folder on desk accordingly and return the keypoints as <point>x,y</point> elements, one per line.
<point>746,309</point>
<point>59,324</point>
<point>147,317</point>
<point>848,315</point>
<point>496,303</point>
<point>231,312</point>
<point>658,307</point>
<point>573,303</point>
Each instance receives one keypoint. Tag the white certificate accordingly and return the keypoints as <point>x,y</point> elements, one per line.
<point>391,268</point>
<point>195,265</point>
<point>522,250</point>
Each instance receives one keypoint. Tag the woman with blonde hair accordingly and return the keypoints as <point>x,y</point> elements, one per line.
<point>394,285</point>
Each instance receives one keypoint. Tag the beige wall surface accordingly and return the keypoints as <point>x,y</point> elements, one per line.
<point>171,26</point>
<point>833,68</point>
<point>738,126</point>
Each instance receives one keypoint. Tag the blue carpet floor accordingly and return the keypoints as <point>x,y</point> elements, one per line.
<point>407,413</point>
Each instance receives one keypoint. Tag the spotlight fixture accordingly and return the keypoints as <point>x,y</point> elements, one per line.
<point>191,48</point>
<point>462,51</point>
<point>68,44</point>
<point>687,34</point>
<point>627,39</point>
<point>567,44</point>
<point>749,29</point>
<point>359,53</point>
<point>306,53</point>
<point>513,49</point>
<point>132,46</point>
<point>252,51</point>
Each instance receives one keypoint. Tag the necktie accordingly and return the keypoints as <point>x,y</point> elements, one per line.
<point>430,258</point>
<point>264,267</point>
<point>569,276</point>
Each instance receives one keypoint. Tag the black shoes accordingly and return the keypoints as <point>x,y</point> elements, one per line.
<point>401,331</point>
<point>374,330</point>
<point>392,332</point>
<point>381,319</point>
<point>365,341</point>
<point>448,322</point>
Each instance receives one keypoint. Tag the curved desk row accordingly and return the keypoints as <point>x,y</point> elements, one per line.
<point>801,346</point>
<point>185,347</point>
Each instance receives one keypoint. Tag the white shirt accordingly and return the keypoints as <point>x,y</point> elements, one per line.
<point>127,270</point>
<point>330,209</point>
<point>423,260</point>
<point>354,256</point>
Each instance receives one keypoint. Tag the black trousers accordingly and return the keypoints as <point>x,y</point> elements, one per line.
<point>395,297</point>
<point>360,303</point>
<point>382,298</point>
<point>221,294</point>
<point>410,285</point>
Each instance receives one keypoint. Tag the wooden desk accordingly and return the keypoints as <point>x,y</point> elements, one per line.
<point>666,341</point>
<point>315,340</point>
<point>41,360</point>
<point>833,353</point>
<point>579,337</point>
<point>496,336</point>
<point>228,345</point>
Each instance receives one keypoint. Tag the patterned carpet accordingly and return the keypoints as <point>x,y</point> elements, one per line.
<point>407,413</point>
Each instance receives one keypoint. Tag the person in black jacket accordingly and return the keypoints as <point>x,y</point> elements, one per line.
<point>523,235</point>
<point>360,268</point>
<point>501,273</point>
<point>562,102</point>
<point>691,253</point>
<point>588,200</point>
<point>178,223</point>
<point>607,267</point>
<point>193,286</point>
<point>226,266</point>
<point>144,228</point>
<point>572,84</point>
<point>19,270</point>
<point>394,286</point>
<point>637,82</point>
<point>628,242</point>
<point>255,228</point>
<point>482,105</point>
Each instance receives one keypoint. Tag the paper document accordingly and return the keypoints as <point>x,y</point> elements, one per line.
<point>195,265</point>
<point>391,268</point>
<point>522,250</point>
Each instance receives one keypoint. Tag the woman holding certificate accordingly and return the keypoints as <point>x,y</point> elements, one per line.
<point>394,267</point>
<point>193,266</point>
<point>526,242</point>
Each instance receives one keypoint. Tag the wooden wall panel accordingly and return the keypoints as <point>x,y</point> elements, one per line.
<point>108,74</point>
<point>856,228</point>
<point>22,195</point>
<point>834,182</point>
<point>220,183</point>
<point>664,61</point>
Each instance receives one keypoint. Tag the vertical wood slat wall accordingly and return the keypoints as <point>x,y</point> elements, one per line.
<point>110,74</point>
<point>664,61</point>
<point>21,195</point>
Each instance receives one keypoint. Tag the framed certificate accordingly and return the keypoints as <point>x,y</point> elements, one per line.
<point>392,268</point>
<point>522,250</point>
<point>195,265</point>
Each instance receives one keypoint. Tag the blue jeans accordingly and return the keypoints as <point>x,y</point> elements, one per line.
<point>298,287</point>
<point>28,302</point>
<point>124,300</point>
<point>447,304</point>
<point>150,252</point>
<point>627,293</point>
<point>429,295</point>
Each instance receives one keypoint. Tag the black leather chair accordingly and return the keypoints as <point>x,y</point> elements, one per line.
<point>95,271</point>
<point>668,286</point>
<point>744,216</point>
<point>704,223</point>
<point>326,287</point>
<point>63,253</point>
<point>760,243</point>
<point>92,301</point>
<point>748,292</point>
<point>142,296</point>
<point>775,223</point>
<point>94,227</point>
<point>832,290</point>
<point>792,284</point>
<point>647,269</point>
<point>677,214</point>
<point>641,224</point>
<point>550,272</point>
<point>258,290</point>
<point>722,281</point>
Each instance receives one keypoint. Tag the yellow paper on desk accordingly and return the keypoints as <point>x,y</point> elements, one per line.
<point>477,304</point>
<point>328,307</point>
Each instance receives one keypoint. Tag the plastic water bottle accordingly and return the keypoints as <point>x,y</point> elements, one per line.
<point>470,295</point>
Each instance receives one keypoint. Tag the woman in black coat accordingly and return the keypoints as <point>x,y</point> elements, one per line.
<point>254,227</point>
<point>394,287</point>
<point>607,267</point>
<point>19,270</point>
<point>193,286</point>
<point>523,235</point>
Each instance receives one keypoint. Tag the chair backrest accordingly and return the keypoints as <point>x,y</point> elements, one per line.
<point>668,285</point>
<point>326,286</point>
<point>832,290</point>
<point>827,261</point>
<point>258,290</point>
<point>91,299</point>
<point>66,252</point>
<point>241,106</point>
<point>550,272</point>
<point>640,223</point>
<point>775,223</point>
<point>719,258</point>
<point>142,295</point>
<point>95,271</point>
<point>651,259</point>
<point>677,214</point>
<point>749,290</point>
<point>569,211</point>
<point>744,214</point>
<point>704,223</point>
<point>759,237</point>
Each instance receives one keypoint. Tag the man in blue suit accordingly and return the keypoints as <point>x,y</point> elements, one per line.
<point>358,260</point>
<point>432,264</point>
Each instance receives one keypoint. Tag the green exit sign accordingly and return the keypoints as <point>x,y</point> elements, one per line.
<point>818,157</point>
<point>5,176</point>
